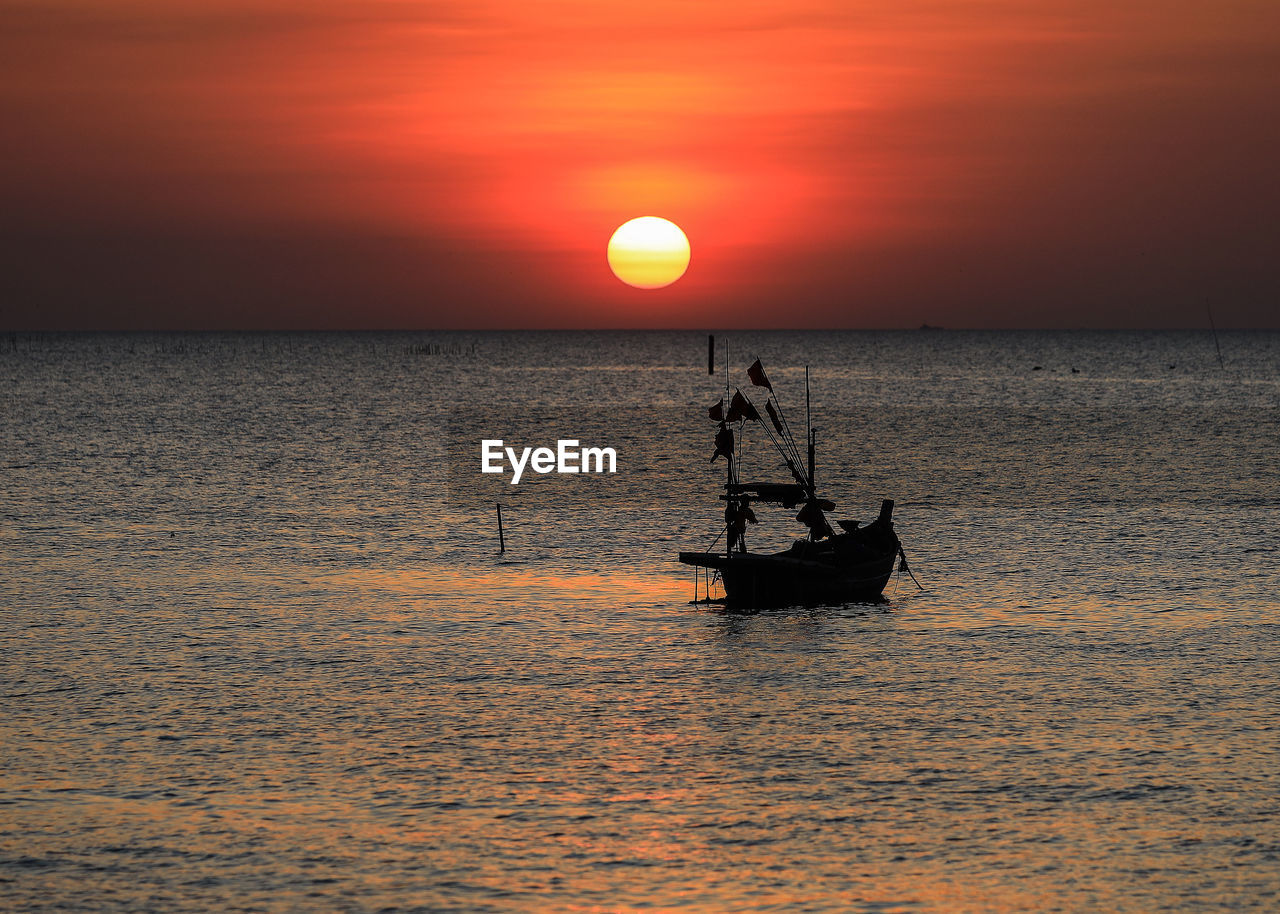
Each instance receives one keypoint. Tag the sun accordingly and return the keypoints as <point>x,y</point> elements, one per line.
<point>648,252</point>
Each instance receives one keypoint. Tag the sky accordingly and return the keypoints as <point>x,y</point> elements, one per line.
<point>317,164</point>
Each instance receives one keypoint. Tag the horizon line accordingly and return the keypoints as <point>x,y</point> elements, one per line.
<point>929,328</point>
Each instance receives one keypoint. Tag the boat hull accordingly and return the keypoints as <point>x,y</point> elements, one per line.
<point>752,580</point>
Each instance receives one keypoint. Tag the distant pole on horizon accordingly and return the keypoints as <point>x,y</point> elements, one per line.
<point>1208,307</point>
<point>711,353</point>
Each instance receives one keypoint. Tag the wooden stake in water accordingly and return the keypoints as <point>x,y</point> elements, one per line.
<point>711,353</point>
<point>502,543</point>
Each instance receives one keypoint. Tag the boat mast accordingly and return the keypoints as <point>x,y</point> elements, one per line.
<point>733,455</point>
<point>808,421</point>
<point>729,461</point>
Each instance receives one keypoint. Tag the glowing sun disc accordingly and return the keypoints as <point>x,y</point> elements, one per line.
<point>648,252</point>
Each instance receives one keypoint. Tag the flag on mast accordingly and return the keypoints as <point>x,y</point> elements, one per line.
<point>773,415</point>
<point>757,375</point>
<point>740,408</point>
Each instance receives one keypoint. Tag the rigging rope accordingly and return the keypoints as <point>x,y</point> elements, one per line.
<point>903,566</point>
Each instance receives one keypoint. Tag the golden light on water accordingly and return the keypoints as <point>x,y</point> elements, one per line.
<point>649,252</point>
<point>279,656</point>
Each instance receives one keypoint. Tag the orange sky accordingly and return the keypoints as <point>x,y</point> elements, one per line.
<point>332,163</point>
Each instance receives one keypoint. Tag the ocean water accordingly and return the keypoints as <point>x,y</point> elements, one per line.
<point>260,650</point>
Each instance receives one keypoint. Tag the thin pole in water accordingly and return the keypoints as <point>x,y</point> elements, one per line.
<point>1209,308</point>
<point>711,353</point>
<point>502,543</point>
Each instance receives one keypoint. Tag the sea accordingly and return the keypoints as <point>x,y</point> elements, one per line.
<point>261,650</point>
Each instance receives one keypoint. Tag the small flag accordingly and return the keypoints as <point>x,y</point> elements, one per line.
<point>724,443</point>
<point>740,408</point>
<point>757,375</point>
<point>773,416</point>
<point>717,412</point>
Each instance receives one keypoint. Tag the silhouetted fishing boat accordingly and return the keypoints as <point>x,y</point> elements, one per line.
<point>822,568</point>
